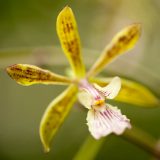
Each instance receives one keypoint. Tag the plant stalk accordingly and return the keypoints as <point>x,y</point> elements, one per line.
<point>143,140</point>
<point>135,136</point>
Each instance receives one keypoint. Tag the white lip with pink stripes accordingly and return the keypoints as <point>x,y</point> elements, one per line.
<point>102,118</point>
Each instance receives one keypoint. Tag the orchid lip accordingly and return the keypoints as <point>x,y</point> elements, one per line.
<point>102,118</point>
<point>106,120</point>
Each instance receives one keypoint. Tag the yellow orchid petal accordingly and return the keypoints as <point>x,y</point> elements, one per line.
<point>26,75</point>
<point>68,34</point>
<point>55,114</point>
<point>121,43</point>
<point>131,92</point>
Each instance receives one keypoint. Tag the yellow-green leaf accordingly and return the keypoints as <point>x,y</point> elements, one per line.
<point>132,92</point>
<point>121,43</point>
<point>68,34</point>
<point>55,114</point>
<point>26,75</point>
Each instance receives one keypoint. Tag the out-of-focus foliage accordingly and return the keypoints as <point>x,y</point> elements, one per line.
<point>29,23</point>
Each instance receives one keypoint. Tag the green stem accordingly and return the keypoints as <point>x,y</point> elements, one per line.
<point>135,136</point>
<point>143,140</point>
<point>89,149</point>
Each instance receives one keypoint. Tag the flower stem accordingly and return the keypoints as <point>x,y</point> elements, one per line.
<point>143,140</point>
<point>135,136</point>
<point>89,149</point>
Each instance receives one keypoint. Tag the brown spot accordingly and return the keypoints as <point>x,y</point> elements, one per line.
<point>70,49</point>
<point>16,69</point>
<point>72,42</point>
<point>68,28</point>
<point>122,39</point>
<point>28,71</point>
<point>47,123</point>
<point>113,51</point>
<point>71,26</point>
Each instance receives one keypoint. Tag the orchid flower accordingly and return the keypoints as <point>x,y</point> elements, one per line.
<point>102,118</point>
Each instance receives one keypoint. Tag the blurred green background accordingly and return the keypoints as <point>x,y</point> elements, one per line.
<point>27,32</point>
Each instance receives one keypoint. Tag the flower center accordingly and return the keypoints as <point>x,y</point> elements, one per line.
<point>97,99</point>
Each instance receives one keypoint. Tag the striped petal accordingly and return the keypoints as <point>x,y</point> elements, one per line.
<point>111,90</point>
<point>121,43</point>
<point>105,121</point>
<point>68,34</point>
<point>26,75</point>
<point>55,114</point>
<point>131,92</point>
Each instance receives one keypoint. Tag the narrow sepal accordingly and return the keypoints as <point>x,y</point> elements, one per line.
<point>121,43</point>
<point>69,37</point>
<point>55,114</point>
<point>26,75</point>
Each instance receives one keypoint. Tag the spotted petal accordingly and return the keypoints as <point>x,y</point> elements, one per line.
<point>106,120</point>
<point>26,75</point>
<point>55,114</point>
<point>112,89</point>
<point>121,43</point>
<point>68,34</point>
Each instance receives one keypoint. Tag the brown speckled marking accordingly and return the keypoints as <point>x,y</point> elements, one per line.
<point>122,41</point>
<point>69,38</point>
<point>32,74</point>
<point>55,115</point>
<point>67,27</point>
<point>113,51</point>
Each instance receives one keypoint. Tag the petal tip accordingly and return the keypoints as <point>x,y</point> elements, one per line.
<point>10,68</point>
<point>46,149</point>
<point>137,27</point>
<point>117,79</point>
<point>43,139</point>
<point>66,9</point>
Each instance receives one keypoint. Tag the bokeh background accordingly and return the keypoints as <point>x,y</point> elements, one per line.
<point>28,35</point>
